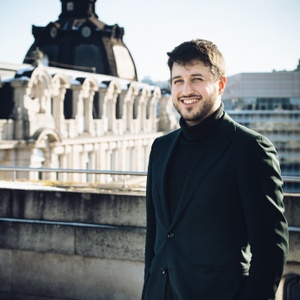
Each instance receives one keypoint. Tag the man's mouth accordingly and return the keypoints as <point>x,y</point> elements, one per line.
<point>189,101</point>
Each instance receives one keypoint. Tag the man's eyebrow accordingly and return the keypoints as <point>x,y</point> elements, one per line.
<point>175,77</point>
<point>192,75</point>
<point>197,75</point>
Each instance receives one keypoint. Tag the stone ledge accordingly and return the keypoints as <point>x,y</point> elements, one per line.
<point>122,243</point>
<point>104,208</point>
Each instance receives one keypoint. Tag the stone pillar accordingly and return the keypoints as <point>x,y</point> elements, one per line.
<point>132,92</point>
<point>167,120</point>
<point>59,85</point>
<point>20,112</point>
<point>76,109</point>
<point>153,109</point>
<point>142,108</point>
<point>111,98</point>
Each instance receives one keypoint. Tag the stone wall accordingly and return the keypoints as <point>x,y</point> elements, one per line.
<point>60,244</point>
<point>292,212</point>
<point>71,245</point>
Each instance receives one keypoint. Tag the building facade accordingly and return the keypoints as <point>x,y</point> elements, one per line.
<point>59,118</point>
<point>76,102</point>
<point>270,104</point>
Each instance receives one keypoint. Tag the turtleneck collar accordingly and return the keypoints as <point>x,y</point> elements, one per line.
<point>202,130</point>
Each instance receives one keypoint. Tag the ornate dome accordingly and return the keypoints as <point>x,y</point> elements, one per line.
<point>79,40</point>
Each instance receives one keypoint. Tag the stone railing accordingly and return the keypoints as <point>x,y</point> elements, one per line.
<point>74,103</point>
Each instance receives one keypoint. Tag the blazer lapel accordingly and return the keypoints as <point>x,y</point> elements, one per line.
<point>213,150</point>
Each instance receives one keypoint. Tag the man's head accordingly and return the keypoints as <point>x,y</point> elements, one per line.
<point>197,80</point>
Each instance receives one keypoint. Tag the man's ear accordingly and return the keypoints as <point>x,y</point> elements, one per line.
<point>222,84</point>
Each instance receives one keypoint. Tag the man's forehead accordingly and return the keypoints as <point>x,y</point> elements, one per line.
<point>190,66</point>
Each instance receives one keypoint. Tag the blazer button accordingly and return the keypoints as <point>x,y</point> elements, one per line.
<point>170,235</point>
<point>163,271</point>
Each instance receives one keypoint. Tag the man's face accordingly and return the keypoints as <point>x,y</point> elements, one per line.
<point>195,92</point>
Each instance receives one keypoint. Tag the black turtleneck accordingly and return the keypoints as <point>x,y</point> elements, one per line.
<point>186,153</point>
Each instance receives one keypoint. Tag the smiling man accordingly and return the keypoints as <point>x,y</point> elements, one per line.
<point>215,217</point>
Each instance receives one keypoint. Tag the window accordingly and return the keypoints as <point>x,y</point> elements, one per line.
<point>70,6</point>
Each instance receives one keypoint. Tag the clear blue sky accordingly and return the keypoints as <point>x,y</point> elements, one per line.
<point>254,35</point>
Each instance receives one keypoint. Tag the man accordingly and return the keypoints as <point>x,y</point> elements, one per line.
<point>215,223</point>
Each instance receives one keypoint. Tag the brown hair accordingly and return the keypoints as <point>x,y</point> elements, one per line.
<point>198,49</point>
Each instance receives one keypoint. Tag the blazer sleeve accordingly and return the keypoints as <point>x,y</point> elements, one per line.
<point>260,188</point>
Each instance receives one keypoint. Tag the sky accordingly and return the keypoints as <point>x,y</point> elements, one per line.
<point>253,35</point>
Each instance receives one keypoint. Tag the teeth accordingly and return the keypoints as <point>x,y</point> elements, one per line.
<point>189,101</point>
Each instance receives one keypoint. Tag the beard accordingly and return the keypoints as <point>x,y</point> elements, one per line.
<point>205,107</point>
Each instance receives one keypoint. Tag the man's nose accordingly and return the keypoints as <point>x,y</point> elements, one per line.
<point>187,88</point>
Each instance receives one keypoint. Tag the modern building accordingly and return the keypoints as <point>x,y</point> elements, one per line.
<point>270,104</point>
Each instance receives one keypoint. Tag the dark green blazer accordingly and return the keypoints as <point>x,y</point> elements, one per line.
<point>228,239</point>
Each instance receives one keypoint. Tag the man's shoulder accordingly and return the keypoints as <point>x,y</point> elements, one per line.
<point>239,128</point>
<point>243,133</point>
<point>169,136</point>
<point>165,141</point>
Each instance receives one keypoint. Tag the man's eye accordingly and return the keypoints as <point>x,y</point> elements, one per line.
<point>177,81</point>
<point>197,79</point>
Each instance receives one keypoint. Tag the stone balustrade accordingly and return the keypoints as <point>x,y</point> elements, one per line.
<point>59,118</point>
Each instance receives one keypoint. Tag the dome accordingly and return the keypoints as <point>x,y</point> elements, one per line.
<point>79,40</point>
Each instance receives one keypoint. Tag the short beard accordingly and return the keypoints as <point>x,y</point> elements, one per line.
<point>201,115</point>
